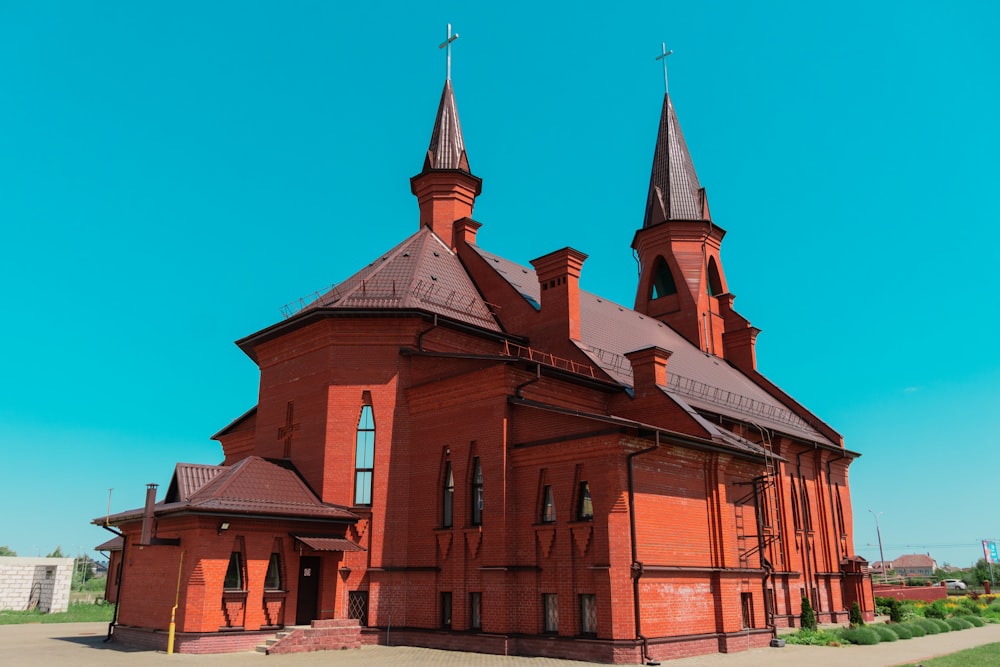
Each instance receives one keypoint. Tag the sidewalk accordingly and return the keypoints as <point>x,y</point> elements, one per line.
<point>79,644</point>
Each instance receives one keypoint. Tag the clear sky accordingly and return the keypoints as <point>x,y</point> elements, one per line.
<point>172,173</point>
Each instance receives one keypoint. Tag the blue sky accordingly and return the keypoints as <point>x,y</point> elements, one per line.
<point>171,174</point>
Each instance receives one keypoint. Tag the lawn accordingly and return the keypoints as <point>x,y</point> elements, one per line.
<point>981,656</point>
<point>78,613</point>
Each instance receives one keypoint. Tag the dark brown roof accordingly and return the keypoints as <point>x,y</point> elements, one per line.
<point>329,543</point>
<point>252,486</point>
<point>913,560</point>
<point>114,544</point>
<point>188,478</point>
<point>420,273</point>
<point>447,148</point>
<point>674,191</point>
<point>608,331</point>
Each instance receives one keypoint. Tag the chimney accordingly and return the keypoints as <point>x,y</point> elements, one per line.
<point>559,282</point>
<point>147,514</point>
<point>464,231</point>
<point>739,340</point>
<point>649,368</point>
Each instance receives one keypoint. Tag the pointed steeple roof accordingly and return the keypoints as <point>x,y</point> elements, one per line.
<point>447,149</point>
<point>674,191</point>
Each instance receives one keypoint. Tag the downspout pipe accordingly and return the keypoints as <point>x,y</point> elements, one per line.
<point>538,376</point>
<point>420,336</point>
<point>121,577</point>
<point>637,568</point>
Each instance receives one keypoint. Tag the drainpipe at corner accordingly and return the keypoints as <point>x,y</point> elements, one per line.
<point>637,569</point>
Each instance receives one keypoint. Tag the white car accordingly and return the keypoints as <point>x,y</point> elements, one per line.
<point>955,584</point>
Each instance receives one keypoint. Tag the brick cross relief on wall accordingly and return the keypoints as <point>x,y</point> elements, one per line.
<point>287,431</point>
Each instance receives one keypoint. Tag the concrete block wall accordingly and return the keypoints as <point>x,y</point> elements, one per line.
<point>46,581</point>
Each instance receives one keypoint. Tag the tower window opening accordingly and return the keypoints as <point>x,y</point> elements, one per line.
<point>663,280</point>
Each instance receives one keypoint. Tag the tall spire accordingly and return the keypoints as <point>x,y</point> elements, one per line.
<point>447,148</point>
<point>674,191</point>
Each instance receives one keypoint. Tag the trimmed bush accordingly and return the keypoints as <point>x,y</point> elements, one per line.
<point>958,623</point>
<point>935,610</point>
<point>885,633</point>
<point>808,618</point>
<point>929,626</point>
<point>864,636</point>
<point>856,620</point>
<point>915,628</point>
<point>975,620</point>
<point>813,638</point>
<point>970,606</point>
<point>944,627</point>
<point>902,630</point>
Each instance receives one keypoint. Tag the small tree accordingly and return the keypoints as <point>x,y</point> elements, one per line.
<point>808,618</point>
<point>57,553</point>
<point>7,551</point>
<point>856,620</point>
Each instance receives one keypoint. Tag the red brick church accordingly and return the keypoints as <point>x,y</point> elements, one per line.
<point>458,450</point>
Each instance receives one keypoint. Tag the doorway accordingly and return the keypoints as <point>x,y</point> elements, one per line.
<point>308,598</point>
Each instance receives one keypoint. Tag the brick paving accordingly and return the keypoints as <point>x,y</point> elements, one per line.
<point>81,645</point>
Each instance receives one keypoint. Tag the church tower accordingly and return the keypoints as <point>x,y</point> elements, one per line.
<point>446,189</point>
<point>681,279</point>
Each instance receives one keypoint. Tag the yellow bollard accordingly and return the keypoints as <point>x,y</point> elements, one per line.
<point>173,612</point>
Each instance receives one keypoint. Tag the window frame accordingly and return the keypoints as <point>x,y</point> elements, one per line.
<point>477,492</point>
<point>364,447</point>
<point>448,497</point>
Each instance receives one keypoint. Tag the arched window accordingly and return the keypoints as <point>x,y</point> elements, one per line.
<point>714,279</point>
<point>448,496</point>
<point>548,505</point>
<point>663,280</point>
<point>585,506</point>
<point>364,457</point>
<point>477,492</point>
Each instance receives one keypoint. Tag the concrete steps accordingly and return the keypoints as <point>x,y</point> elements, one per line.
<point>327,635</point>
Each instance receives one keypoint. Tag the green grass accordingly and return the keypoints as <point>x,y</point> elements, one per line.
<point>78,613</point>
<point>981,656</point>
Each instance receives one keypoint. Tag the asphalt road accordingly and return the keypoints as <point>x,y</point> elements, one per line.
<point>81,645</point>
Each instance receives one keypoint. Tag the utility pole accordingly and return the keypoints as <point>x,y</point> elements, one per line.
<point>881,554</point>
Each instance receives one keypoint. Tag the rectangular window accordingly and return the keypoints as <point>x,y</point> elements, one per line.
<point>476,611</point>
<point>550,604</point>
<point>548,505</point>
<point>746,603</point>
<point>477,492</point>
<point>585,506</point>
<point>234,573</point>
<point>272,580</point>
<point>364,457</point>
<point>448,497</point>
<point>357,606</point>
<point>588,614</point>
<point>445,610</point>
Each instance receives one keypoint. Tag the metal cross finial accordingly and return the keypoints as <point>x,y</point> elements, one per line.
<point>663,56</point>
<point>446,44</point>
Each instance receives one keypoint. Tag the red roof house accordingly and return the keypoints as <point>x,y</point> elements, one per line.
<point>481,455</point>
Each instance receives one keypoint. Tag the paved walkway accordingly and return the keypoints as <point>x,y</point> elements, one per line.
<point>80,645</point>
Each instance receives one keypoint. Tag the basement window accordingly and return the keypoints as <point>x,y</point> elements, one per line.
<point>550,605</point>
<point>588,615</point>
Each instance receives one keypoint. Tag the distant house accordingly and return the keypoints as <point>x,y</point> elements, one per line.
<point>913,565</point>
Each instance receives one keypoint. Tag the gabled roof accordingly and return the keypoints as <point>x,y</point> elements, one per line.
<point>447,148</point>
<point>253,486</point>
<point>420,273</point>
<point>704,382</point>
<point>674,191</point>
<point>913,560</point>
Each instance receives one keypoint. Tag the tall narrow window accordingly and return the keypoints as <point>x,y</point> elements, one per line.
<point>477,492</point>
<point>364,457</point>
<point>446,610</point>
<point>448,497</point>
<point>663,280</point>
<point>588,614</point>
<point>548,505</point>
<point>272,580</point>
<point>714,286</point>
<point>796,517</point>
<point>476,611</point>
<point>550,605</point>
<point>584,505</point>
<point>234,573</point>
<point>746,605</point>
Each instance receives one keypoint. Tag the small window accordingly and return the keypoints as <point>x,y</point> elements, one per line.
<point>714,286</point>
<point>663,280</point>
<point>446,610</point>
<point>588,614</point>
<point>477,492</point>
<point>746,603</point>
<point>272,580</point>
<point>585,506</point>
<point>234,573</point>
<point>476,611</point>
<point>364,459</point>
<point>448,497</point>
<point>550,604</point>
<point>548,505</point>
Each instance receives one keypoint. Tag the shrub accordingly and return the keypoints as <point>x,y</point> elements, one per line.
<point>863,636</point>
<point>856,620</point>
<point>929,626</point>
<point>808,621</point>
<point>941,623</point>
<point>975,620</point>
<point>885,633</point>
<point>902,630</point>
<point>958,623</point>
<point>935,610</point>
<point>813,638</point>
<point>915,628</point>
<point>970,606</point>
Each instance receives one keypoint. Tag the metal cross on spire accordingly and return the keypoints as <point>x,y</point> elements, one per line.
<point>446,44</point>
<point>663,56</point>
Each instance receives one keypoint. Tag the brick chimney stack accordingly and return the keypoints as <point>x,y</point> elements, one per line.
<point>559,282</point>
<point>649,368</point>
<point>147,514</point>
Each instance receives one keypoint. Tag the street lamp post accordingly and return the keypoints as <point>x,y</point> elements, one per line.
<point>881,554</point>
